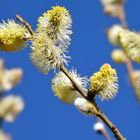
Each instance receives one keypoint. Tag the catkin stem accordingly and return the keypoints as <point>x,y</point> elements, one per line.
<point>130,74</point>
<point>25,24</point>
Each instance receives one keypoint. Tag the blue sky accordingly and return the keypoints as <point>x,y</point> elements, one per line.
<point>46,117</point>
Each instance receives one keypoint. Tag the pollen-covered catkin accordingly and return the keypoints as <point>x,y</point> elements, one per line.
<point>130,42</point>
<point>104,83</point>
<point>45,55</point>
<point>12,36</point>
<point>57,24</point>
<point>64,89</point>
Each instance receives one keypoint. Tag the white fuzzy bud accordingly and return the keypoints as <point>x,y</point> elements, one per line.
<point>85,106</point>
<point>98,126</point>
<point>10,107</point>
<point>113,34</point>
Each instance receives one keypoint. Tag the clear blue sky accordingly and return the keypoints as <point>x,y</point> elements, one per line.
<point>47,118</point>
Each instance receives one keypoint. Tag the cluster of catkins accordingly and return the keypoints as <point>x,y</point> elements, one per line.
<point>49,45</point>
<point>11,105</point>
<point>127,40</point>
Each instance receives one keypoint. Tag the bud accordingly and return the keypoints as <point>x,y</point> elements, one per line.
<point>11,78</point>
<point>113,34</point>
<point>99,127</point>
<point>10,107</point>
<point>118,56</point>
<point>85,107</point>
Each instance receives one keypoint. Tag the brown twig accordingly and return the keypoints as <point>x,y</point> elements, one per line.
<point>130,70</point>
<point>111,126</point>
<point>27,25</point>
<point>122,18</point>
<point>106,135</point>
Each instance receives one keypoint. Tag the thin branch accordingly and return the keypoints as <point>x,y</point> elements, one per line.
<point>27,25</point>
<point>130,70</point>
<point>122,18</point>
<point>106,135</point>
<point>112,127</point>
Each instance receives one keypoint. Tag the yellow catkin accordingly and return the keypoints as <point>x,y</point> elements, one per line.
<point>104,82</point>
<point>119,56</point>
<point>12,36</point>
<point>45,54</point>
<point>63,88</point>
<point>57,24</point>
<point>130,42</point>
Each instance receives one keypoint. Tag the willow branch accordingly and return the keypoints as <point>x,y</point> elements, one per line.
<point>130,70</point>
<point>112,127</point>
<point>122,17</point>
<point>79,89</point>
<point>26,24</point>
<point>106,135</point>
